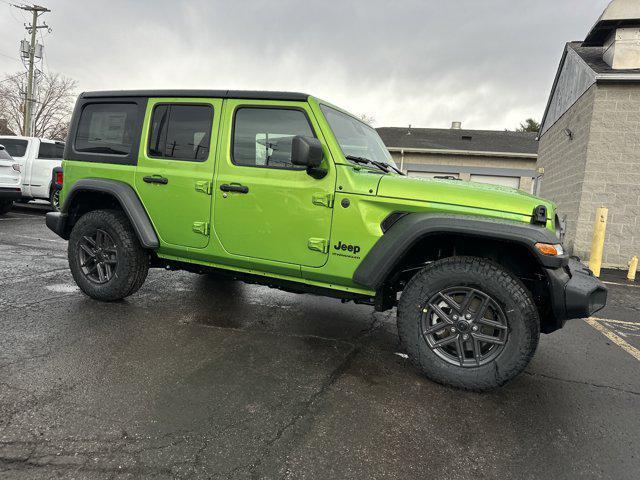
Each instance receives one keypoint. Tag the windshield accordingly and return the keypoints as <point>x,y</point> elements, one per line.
<point>14,146</point>
<point>356,138</point>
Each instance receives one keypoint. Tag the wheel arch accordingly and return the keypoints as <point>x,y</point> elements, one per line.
<point>90,194</point>
<point>416,238</point>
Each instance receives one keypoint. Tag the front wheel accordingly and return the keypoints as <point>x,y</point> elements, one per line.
<point>106,259</point>
<point>467,322</point>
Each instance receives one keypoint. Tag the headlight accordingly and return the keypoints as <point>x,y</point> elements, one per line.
<point>16,167</point>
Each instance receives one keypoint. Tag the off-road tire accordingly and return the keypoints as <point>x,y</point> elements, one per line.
<point>523,325</point>
<point>133,260</point>
<point>5,206</point>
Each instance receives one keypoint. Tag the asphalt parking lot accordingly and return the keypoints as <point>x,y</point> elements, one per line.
<point>197,378</point>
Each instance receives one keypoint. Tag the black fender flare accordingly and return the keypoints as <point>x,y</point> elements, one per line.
<point>413,227</point>
<point>128,200</point>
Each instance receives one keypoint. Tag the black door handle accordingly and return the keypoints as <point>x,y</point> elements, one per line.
<point>234,188</point>
<point>156,179</point>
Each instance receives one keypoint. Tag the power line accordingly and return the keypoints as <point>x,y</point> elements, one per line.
<point>12,77</point>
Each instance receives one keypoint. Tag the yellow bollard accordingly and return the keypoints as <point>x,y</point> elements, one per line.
<point>633,267</point>
<point>597,244</point>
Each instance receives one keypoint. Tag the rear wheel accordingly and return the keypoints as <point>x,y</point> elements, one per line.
<point>5,206</point>
<point>468,323</point>
<point>106,259</point>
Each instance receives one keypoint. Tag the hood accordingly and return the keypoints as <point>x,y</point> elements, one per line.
<point>456,192</point>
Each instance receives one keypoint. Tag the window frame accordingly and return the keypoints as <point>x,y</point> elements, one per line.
<point>70,152</point>
<point>188,104</point>
<point>300,168</point>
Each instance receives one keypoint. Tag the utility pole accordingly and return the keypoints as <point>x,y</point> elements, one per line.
<point>36,11</point>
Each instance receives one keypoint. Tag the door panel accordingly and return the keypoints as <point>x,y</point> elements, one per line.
<point>278,215</point>
<point>175,168</point>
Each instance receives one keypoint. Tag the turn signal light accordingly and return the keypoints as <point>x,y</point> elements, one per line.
<point>549,249</point>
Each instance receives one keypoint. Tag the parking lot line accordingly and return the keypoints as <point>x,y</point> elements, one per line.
<point>619,341</point>
<point>621,284</point>
<point>621,322</point>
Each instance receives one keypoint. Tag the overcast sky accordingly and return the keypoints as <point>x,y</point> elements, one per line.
<point>489,63</point>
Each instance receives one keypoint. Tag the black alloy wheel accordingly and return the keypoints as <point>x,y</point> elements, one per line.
<point>464,326</point>
<point>98,256</point>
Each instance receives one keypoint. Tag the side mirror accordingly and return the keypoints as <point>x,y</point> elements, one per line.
<point>306,152</point>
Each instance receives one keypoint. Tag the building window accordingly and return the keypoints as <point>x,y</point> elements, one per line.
<point>181,132</point>
<point>262,136</point>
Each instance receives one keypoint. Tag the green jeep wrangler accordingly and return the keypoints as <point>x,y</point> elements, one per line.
<point>289,191</point>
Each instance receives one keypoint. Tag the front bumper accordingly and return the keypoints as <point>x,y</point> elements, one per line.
<point>575,292</point>
<point>56,222</point>
<point>10,193</point>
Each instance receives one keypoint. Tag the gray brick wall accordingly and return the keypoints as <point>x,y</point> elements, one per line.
<point>564,161</point>
<point>599,167</point>
<point>612,176</point>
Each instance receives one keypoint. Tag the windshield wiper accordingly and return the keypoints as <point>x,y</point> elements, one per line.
<point>366,161</point>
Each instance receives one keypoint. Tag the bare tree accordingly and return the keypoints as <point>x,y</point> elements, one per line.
<point>529,125</point>
<point>368,119</point>
<point>54,100</point>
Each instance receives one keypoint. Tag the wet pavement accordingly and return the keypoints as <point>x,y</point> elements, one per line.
<point>193,377</point>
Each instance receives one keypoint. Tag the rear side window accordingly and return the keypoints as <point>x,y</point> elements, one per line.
<point>262,136</point>
<point>51,150</point>
<point>106,128</point>
<point>181,132</point>
<point>14,146</point>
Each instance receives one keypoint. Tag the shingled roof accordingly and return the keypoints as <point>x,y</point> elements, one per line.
<point>495,141</point>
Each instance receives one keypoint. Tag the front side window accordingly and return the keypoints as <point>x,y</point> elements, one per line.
<point>51,150</point>
<point>262,136</point>
<point>355,137</point>
<point>15,147</point>
<point>181,132</point>
<point>107,128</point>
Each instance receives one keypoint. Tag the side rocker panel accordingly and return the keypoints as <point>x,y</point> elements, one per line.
<point>403,234</point>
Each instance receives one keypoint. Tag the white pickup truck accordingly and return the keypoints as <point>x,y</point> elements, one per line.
<point>37,158</point>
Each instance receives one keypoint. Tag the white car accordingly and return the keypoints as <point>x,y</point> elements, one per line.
<point>9,181</point>
<point>37,158</point>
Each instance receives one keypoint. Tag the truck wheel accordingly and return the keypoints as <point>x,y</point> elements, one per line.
<point>54,199</point>
<point>5,206</point>
<point>106,259</point>
<point>468,323</point>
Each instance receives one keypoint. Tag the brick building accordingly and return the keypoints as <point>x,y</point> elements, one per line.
<point>487,156</point>
<point>589,142</point>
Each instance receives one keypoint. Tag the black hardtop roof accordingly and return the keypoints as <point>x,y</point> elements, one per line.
<point>241,94</point>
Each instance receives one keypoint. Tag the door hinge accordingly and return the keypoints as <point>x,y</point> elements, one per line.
<point>318,245</point>
<point>201,228</point>
<point>204,186</point>
<point>323,199</point>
